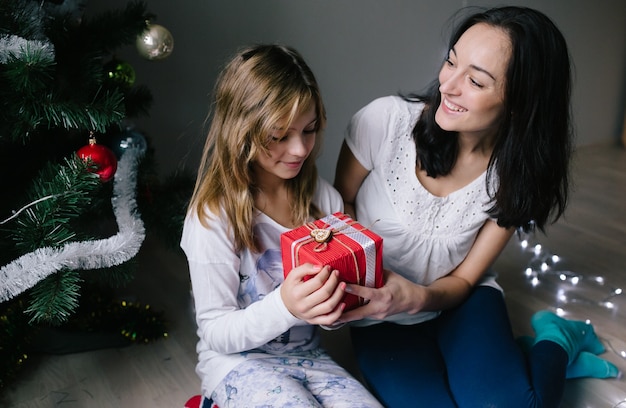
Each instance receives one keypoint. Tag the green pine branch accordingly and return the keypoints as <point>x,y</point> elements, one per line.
<point>32,98</point>
<point>107,109</point>
<point>46,112</point>
<point>60,194</point>
<point>29,70</point>
<point>54,299</point>
<point>63,84</point>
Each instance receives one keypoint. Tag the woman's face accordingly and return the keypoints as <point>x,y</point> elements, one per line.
<point>289,148</point>
<point>473,80</point>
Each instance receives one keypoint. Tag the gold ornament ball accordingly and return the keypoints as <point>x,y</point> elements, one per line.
<point>155,43</point>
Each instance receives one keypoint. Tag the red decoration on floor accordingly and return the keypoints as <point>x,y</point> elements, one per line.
<point>194,402</point>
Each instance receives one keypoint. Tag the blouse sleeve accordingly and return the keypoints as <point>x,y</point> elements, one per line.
<point>368,129</point>
<point>327,198</point>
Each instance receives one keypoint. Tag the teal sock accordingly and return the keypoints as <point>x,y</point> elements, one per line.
<point>589,365</point>
<point>586,364</point>
<point>574,336</point>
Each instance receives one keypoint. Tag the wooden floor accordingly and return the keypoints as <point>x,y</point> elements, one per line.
<point>590,241</point>
<point>591,244</point>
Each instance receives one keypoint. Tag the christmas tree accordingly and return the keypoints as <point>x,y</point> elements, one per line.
<point>72,164</point>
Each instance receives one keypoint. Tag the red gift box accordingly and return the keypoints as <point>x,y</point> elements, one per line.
<point>343,244</point>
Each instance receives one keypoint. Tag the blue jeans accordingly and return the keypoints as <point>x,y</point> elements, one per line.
<point>467,357</point>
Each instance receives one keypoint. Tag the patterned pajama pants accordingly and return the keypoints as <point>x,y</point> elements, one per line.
<point>300,381</point>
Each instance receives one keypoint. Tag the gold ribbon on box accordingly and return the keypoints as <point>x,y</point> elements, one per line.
<point>334,226</point>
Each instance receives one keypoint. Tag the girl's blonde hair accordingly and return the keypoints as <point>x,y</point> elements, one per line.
<point>261,87</point>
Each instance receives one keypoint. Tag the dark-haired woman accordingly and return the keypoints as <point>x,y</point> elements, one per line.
<point>445,178</point>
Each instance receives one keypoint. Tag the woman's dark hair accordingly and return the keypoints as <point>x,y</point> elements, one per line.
<point>533,144</point>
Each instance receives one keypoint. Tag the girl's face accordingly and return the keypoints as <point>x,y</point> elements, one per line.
<point>472,81</point>
<point>289,148</point>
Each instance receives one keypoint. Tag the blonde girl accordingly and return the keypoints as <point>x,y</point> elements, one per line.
<point>258,343</point>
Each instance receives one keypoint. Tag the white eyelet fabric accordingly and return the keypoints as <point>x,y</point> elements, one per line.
<point>424,236</point>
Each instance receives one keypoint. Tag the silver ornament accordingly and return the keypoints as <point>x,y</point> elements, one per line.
<point>155,43</point>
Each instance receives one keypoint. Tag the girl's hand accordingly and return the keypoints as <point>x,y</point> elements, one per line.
<point>316,300</point>
<point>396,296</point>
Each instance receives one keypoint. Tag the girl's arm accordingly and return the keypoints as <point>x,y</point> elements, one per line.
<point>223,324</point>
<point>401,295</point>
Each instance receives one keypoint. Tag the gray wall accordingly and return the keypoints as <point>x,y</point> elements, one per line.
<point>359,50</point>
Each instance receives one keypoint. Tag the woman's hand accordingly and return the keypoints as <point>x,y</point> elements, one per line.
<point>396,296</point>
<point>316,300</point>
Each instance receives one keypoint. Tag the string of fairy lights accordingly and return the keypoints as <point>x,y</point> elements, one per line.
<point>546,266</point>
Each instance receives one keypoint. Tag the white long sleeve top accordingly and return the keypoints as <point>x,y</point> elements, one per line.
<point>239,311</point>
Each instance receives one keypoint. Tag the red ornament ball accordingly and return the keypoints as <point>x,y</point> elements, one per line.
<point>101,157</point>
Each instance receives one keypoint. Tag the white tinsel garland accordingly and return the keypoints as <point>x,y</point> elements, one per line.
<point>27,270</point>
<point>18,47</point>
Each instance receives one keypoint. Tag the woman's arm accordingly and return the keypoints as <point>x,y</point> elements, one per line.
<point>401,295</point>
<point>452,289</point>
<point>349,176</point>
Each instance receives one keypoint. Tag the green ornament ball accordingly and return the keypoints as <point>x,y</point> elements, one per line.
<point>120,72</point>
